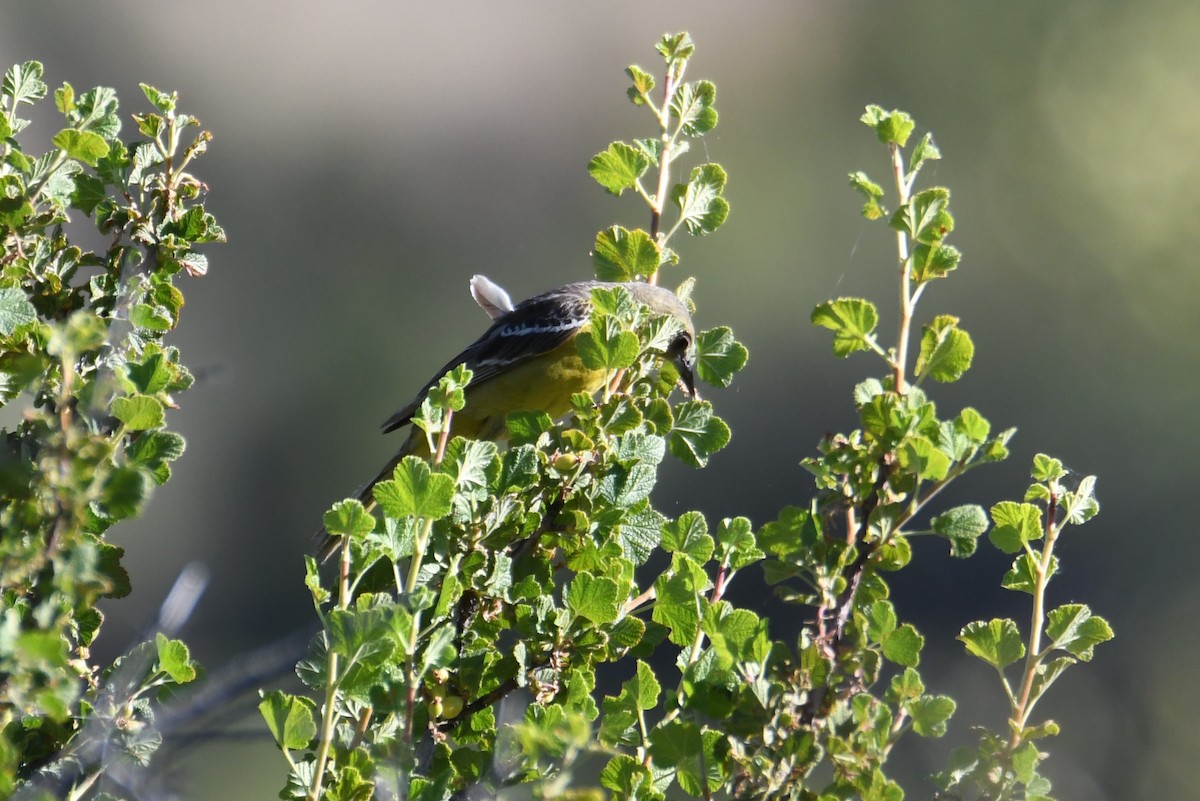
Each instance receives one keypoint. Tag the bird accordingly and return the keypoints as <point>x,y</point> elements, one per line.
<point>527,361</point>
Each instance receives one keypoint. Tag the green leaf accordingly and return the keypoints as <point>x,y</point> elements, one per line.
<point>997,642</point>
<point>152,318</point>
<point>14,211</point>
<point>85,146</point>
<point>15,310</point>
<point>415,491</point>
<point>872,209</point>
<point>1047,468</point>
<point>606,345</point>
<point>852,321</point>
<point>89,193</point>
<point>64,98</point>
<point>697,434</point>
<point>925,217</point>
<point>623,255</point>
<point>1024,763</point>
<point>719,356</point>
<point>643,84</point>
<point>737,546</point>
<point>930,713</point>
<point>881,620</point>
<point>644,686</point>
<point>688,534</point>
<point>152,374</point>
<point>594,598</point>
<point>138,412</point>
<point>892,127</point>
<point>23,83</point>
<point>618,167</point>
<point>1015,524</point>
<point>153,449</point>
<point>174,659</point>
<point>903,646</point>
<point>946,350</point>
<point>163,101</point>
<point>290,719</point>
<point>1074,629</point>
<point>682,747</point>
<point>962,526</point>
<point>675,47</point>
<point>468,460</point>
<point>1022,576</point>
<point>925,150</point>
<point>702,209</point>
<point>627,777</point>
<point>692,107</point>
<point>524,427</point>
<point>676,607</point>
<point>920,455</point>
<point>1080,505</point>
<point>124,492</point>
<point>348,518</point>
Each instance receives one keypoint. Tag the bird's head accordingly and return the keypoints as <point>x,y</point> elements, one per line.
<point>681,350</point>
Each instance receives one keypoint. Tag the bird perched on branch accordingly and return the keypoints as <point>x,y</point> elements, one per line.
<point>527,361</point>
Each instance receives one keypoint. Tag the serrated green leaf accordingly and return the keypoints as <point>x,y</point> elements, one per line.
<point>718,356</point>
<point>692,107</point>
<point>903,646</point>
<point>289,718</point>
<point>15,310</point>
<point>1014,524</point>
<point>124,492</point>
<point>64,98</point>
<point>415,491</point>
<point>606,345</point>
<point>924,150</point>
<point>627,777</point>
<point>1047,468</point>
<point>150,317</point>
<point>697,434</point>
<point>921,456</point>
<point>643,84</point>
<point>962,526</point>
<point>618,167</point>
<point>14,211</point>
<point>85,146</point>
<point>872,209</point>
<point>23,83</point>
<point>1074,629</point>
<point>682,746</point>
<point>163,101</point>
<point>138,412</point>
<point>688,534</point>
<point>1022,576</point>
<point>930,713</point>
<point>997,641</point>
<point>892,127</point>
<point>174,659</point>
<point>946,350</point>
<point>623,255</point>
<point>702,208</point>
<point>852,321</point>
<point>348,518</point>
<point>594,598</point>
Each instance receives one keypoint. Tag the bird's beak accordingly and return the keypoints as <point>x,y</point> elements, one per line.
<point>684,365</point>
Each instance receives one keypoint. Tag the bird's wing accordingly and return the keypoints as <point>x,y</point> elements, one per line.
<point>535,326</point>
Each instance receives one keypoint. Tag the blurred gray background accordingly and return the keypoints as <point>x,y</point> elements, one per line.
<point>371,156</point>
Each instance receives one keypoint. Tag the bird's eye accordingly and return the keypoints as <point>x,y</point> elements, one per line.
<point>680,344</point>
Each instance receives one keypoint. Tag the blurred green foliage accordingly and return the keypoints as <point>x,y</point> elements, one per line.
<point>82,340</point>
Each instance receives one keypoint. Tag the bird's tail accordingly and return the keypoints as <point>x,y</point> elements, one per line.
<point>326,543</point>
